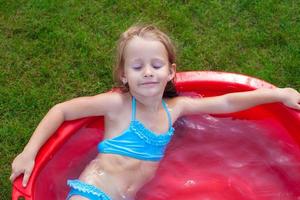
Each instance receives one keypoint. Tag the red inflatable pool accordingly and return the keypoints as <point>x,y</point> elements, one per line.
<point>189,173</point>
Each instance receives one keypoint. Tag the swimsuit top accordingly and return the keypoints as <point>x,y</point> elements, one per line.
<point>137,141</point>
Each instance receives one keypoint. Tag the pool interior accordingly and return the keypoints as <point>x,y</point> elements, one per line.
<point>209,157</point>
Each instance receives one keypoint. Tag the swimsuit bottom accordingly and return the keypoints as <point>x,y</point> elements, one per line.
<point>86,190</point>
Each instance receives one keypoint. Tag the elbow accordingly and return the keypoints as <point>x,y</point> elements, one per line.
<point>58,109</point>
<point>228,104</point>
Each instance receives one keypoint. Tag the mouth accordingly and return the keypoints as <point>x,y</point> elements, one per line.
<point>149,83</point>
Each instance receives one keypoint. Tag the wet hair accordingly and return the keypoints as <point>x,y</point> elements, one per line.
<point>149,32</point>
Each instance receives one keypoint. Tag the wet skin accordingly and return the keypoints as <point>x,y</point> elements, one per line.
<point>147,72</point>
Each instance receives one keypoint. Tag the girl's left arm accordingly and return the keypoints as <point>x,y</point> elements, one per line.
<point>234,102</point>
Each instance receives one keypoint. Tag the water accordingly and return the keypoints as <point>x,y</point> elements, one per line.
<point>213,158</point>
<point>208,158</point>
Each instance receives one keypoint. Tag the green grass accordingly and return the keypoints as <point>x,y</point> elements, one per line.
<point>51,51</point>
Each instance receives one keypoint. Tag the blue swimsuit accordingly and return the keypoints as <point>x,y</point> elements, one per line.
<point>136,141</point>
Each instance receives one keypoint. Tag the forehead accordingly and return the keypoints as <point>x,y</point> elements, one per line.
<point>139,47</point>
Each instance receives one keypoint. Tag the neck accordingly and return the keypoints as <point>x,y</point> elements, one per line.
<point>150,104</point>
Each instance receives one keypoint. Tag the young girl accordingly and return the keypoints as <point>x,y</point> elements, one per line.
<point>138,120</point>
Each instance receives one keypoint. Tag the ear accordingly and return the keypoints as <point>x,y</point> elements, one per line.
<point>172,71</point>
<point>122,77</point>
<point>124,80</point>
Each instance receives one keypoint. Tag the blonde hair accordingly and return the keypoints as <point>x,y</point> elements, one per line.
<point>144,31</point>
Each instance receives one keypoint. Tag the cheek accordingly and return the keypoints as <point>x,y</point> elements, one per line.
<point>132,79</point>
<point>165,74</point>
<point>128,74</point>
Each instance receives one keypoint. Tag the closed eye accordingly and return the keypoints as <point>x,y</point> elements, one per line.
<point>136,66</point>
<point>157,63</point>
<point>157,66</point>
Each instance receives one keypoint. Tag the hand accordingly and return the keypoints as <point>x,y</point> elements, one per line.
<point>23,163</point>
<point>291,98</point>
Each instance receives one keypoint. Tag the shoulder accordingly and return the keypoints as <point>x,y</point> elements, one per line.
<point>183,105</point>
<point>113,100</point>
<point>176,105</point>
<point>177,102</point>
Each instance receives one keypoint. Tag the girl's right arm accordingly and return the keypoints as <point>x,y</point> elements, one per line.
<point>74,109</point>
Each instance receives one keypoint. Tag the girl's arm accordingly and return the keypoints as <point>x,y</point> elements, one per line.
<point>74,109</point>
<point>234,102</point>
<point>25,161</point>
<point>51,121</point>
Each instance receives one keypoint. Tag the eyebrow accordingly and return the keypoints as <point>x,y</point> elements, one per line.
<point>135,60</point>
<point>153,59</point>
<point>158,59</point>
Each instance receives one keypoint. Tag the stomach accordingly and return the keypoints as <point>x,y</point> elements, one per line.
<point>120,177</point>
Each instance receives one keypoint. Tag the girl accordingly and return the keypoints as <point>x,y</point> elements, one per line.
<point>138,120</point>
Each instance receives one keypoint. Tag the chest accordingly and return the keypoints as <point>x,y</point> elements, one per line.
<point>157,122</point>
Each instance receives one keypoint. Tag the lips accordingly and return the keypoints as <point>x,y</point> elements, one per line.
<point>149,83</point>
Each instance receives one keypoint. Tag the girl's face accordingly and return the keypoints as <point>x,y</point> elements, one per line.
<point>146,67</point>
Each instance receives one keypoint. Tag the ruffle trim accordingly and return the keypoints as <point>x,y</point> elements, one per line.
<point>148,136</point>
<point>86,188</point>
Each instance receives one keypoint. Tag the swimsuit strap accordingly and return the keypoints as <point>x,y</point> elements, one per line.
<point>163,103</point>
<point>133,107</point>
<point>168,113</point>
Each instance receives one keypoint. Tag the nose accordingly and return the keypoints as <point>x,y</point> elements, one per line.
<point>148,72</point>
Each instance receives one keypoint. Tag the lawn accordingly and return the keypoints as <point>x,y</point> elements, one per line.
<point>51,51</point>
